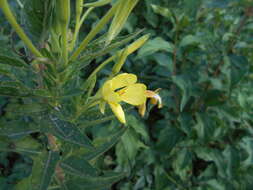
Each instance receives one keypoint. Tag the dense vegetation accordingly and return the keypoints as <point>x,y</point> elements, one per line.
<point>199,54</point>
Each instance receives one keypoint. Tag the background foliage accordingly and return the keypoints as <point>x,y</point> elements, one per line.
<point>200,54</point>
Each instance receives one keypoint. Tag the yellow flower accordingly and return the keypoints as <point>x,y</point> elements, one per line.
<point>154,99</point>
<point>122,87</point>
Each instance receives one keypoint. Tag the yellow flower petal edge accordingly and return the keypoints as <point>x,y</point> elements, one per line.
<point>134,94</point>
<point>154,99</point>
<point>118,111</point>
<point>123,80</point>
<point>122,87</point>
<point>108,93</point>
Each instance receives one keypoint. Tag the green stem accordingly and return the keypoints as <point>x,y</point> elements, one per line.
<point>64,18</point>
<point>95,31</point>
<point>101,66</point>
<point>79,10</point>
<point>65,46</point>
<point>12,20</point>
<point>78,25</point>
<point>85,108</point>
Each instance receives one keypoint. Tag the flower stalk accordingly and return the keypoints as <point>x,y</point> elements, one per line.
<point>12,20</point>
<point>64,17</point>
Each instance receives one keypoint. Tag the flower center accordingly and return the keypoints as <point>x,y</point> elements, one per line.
<point>120,91</point>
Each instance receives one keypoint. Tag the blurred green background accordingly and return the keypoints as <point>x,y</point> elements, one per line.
<point>200,54</point>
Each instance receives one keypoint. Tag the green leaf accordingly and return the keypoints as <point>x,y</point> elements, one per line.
<point>233,161</point>
<point>205,128</point>
<point>165,12</point>
<point>95,30</point>
<point>215,97</point>
<point>72,92</point>
<point>16,129</point>
<point>12,61</point>
<point>247,145</point>
<point>27,108</point>
<point>69,132</point>
<point>37,18</point>
<point>185,84</point>
<point>42,172</point>
<point>190,40</point>
<point>95,183</point>
<point>138,126</point>
<point>98,48</point>
<point>25,146</point>
<point>239,68</point>
<point>42,93</point>
<point>120,17</point>
<point>216,156</point>
<point>49,169</point>
<point>182,163</point>
<point>216,184</point>
<point>11,91</point>
<point>168,138</point>
<point>129,146</point>
<point>6,73</point>
<point>78,166</point>
<point>155,45</point>
<point>105,147</point>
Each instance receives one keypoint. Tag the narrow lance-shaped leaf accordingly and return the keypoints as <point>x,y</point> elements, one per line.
<point>127,51</point>
<point>95,183</point>
<point>106,146</point>
<point>78,166</point>
<point>69,132</point>
<point>12,92</point>
<point>43,171</point>
<point>118,42</point>
<point>49,169</point>
<point>95,31</point>
<point>120,18</point>
<point>12,61</point>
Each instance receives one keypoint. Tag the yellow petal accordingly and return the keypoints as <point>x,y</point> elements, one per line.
<point>150,93</point>
<point>142,109</point>
<point>134,94</point>
<point>118,111</point>
<point>122,80</point>
<point>102,106</point>
<point>108,93</point>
